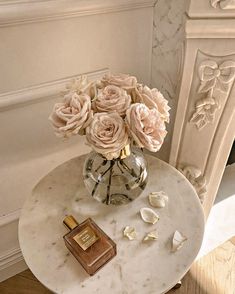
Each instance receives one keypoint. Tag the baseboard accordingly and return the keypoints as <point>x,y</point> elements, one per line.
<point>11,263</point>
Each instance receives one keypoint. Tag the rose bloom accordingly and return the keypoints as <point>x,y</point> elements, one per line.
<point>146,126</point>
<point>71,116</point>
<point>124,81</point>
<point>153,98</point>
<point>107,134</point>
<point>111,99</point>
<point>81,85</point>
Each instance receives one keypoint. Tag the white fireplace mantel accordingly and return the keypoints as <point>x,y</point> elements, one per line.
<point>204,128</point>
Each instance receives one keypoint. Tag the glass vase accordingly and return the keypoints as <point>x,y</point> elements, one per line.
<point>118,181</point>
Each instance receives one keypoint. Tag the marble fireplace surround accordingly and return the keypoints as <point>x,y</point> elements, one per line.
<point>204,128</point>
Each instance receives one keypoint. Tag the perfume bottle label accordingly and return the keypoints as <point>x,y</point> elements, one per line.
<point>86,238</point>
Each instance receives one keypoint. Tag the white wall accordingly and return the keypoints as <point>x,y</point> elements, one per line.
<point>39,46</point>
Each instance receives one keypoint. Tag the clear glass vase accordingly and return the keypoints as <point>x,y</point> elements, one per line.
<point>118,181</point>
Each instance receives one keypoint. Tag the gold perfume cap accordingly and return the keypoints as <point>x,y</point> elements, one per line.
<point>70,222</point>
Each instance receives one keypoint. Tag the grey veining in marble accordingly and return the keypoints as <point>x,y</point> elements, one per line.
<point>138,268</point>
<point>167,56</point>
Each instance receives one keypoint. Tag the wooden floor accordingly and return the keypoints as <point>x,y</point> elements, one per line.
<point>213,274</point>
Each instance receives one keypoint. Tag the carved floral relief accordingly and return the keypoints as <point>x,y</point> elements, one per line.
<point>224,4</point>
<point>214,3</point>
<point>205,110</point>
<point>195,177</point>
<point>213,76</point>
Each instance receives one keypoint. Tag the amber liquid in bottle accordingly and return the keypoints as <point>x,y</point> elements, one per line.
<point>89,244</point>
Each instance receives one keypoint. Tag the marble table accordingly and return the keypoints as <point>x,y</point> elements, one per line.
<point>138,268</point>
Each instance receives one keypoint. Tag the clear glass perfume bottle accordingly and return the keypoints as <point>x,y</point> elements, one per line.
<point>89,244</point>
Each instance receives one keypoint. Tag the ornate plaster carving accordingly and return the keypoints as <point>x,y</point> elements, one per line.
<point>224,4</point>
<point>195,177</point>
<point>205,110</point>
<point>213,76</point>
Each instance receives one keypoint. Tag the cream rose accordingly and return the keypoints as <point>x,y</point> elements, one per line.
<point>153,98</point>
<point>71,116</point>
<point>124,81</point>
<point>107,134</point>
<point>146,126</point>
<point>81,85</point>
<point>112,99</point>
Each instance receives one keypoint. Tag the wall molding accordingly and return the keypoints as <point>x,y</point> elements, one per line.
<point>40,92</point>
<point>9,218</point>
<point>11,263</point>
<point>26,11</point>
<point>10,257</point>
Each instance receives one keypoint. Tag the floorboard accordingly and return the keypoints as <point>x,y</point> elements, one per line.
<point>212,274</point>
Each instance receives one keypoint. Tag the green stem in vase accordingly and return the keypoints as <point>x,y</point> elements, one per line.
<point>126,185</point>
<point>119,167</point>
<point>102,164</point>
<point>99,180</point>
<point>130,170</point>
<point>110,180</point>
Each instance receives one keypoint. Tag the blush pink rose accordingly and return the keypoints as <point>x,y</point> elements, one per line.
<point>71,116</point>
<point>153,98</point>
<point>146,126</point>
<point>112,99</point>
<point>107,134</point>
<point>81,85</point>
<point>123,81</point>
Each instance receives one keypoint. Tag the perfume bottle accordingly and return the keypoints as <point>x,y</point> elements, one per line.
<point>89,244</point>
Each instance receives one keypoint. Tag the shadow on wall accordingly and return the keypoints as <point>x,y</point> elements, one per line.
<point>231,158</point>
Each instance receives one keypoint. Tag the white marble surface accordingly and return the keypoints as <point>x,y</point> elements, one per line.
<point>138,268</point>
<point>167,56</point>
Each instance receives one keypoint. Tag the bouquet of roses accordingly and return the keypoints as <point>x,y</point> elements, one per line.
<point>112,113</point>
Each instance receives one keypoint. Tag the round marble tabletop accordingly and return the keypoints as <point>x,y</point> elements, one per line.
<point>138,268</point>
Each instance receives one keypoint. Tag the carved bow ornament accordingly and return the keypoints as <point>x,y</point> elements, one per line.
<point>214,76</point>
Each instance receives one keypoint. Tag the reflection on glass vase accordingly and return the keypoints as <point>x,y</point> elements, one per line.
<point>118,181</point>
